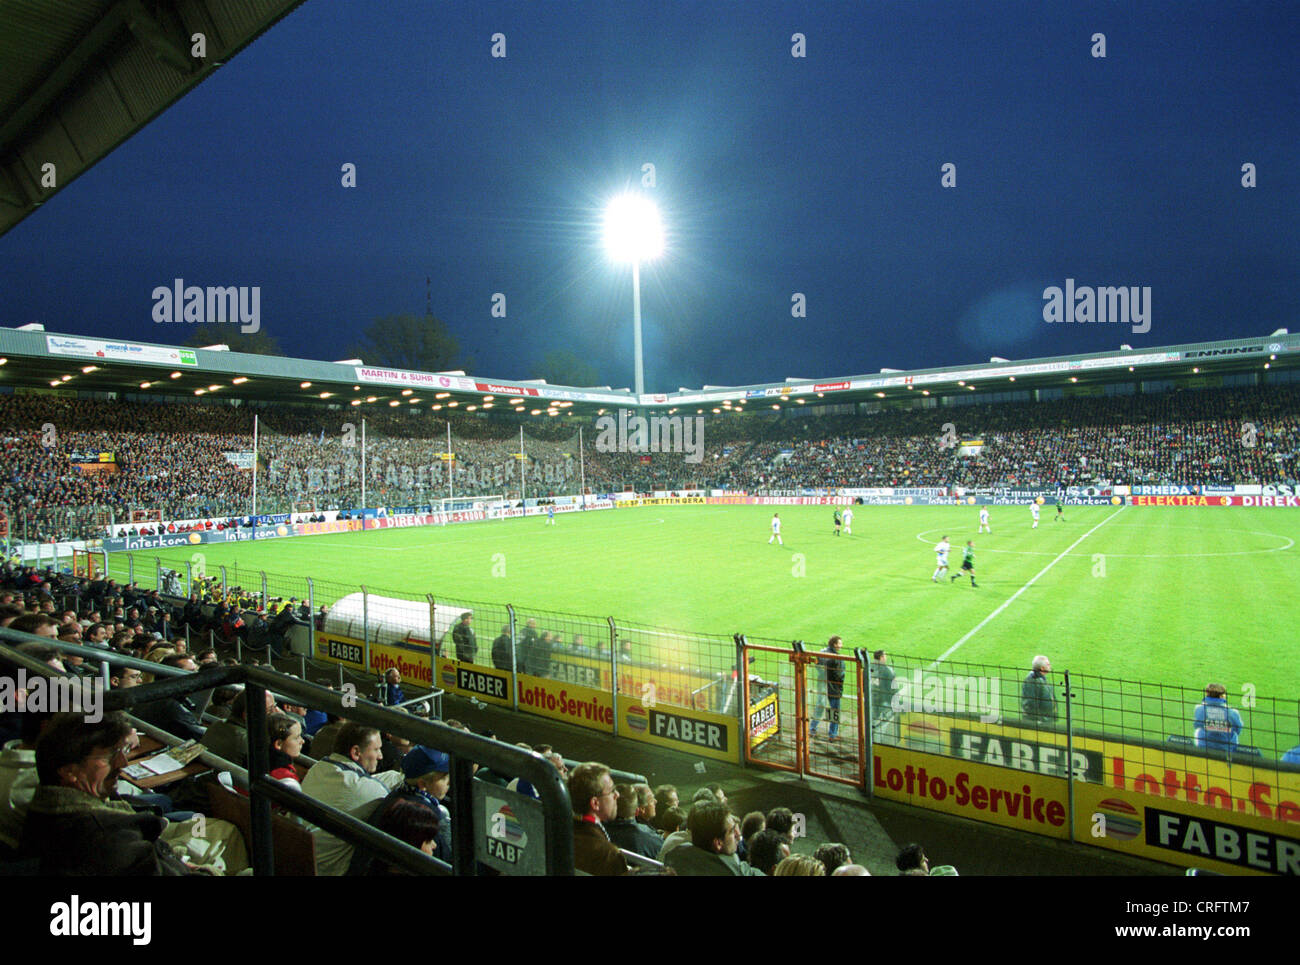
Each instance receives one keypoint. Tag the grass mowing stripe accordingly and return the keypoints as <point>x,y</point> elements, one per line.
<point>1011,599</point>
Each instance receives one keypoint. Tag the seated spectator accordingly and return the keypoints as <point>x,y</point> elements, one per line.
<point>1218,726</point>
<point>39,624</point>
<point>223,699</point>
<point>628,833</point>
<point>646,807</point>
<point>410,820</point>
<point>394,748</point>
<point>850,871</point>
<point>18,778</point>
<point>285,735</point>
<point>229,738</point>
<point>72,825</point>
<point>800,866</point>
<point>715,836</point>
<point>750,825</point>
<point>124,677</point>
<point>322,742</point>
<point>832,855</point>
<point>665,798</point>
<point>912,862</point>
<point>346,780</point>
<point>595,800</point>
<point>767,849</point>
<point>176,715</point>
<point>781,820</point>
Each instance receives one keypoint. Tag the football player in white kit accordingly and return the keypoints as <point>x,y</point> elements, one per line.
<point>984,520</point>
<point>1033,511</point>
<point>848,521</point>
<point>776,530</point>
<point>940,559</point>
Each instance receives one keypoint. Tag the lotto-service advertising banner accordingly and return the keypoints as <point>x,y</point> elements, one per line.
<point>680,688</point>
<point>1239,788</point>
<point>1177,832</point>
<point>410,658</point>
<point>570,703</point>
<point>488,684</point>
<point>1023,801</point>
<point>694,731</point>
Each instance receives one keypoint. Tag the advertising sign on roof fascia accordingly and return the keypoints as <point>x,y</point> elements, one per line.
<point>119,351</point>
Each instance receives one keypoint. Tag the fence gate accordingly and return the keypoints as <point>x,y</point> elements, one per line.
<point>805,711</point>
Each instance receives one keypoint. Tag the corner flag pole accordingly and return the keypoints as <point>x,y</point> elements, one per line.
<point>363,473</point>
<point>522,494</point>
<point>451,466</point>
<point>582,469</point>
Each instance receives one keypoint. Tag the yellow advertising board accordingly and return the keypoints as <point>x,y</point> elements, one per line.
<point>674,501</point>
<point>471,680</point>
<point>1173,775</point>
<point>681,687</point>
<point>1022,801</point>
<point>626,503</point>
<point>697,732</point>
<point>1176,832</point>
<point>571,703</point>
<point>409,657</point>
<point>764,719</point>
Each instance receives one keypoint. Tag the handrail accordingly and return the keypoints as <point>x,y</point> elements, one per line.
<point>463,747</point>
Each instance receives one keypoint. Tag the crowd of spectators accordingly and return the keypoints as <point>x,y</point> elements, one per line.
<point>170,459</point>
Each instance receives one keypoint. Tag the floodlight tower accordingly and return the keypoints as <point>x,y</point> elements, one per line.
<point>633,232</point>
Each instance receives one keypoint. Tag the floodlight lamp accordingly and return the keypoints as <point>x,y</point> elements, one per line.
<point>633,231</point>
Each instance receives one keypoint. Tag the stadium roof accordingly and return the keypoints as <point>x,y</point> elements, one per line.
<point>39,360</point>
<point>79,77</point>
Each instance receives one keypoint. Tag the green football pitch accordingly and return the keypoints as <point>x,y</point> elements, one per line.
<point>1174,596</point>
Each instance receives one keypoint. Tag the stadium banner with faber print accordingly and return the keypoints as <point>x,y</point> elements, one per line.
<point>411,658</point>
<point>1179,832</point>
<point>571,703</point>
<point>1244,787</point>
<point>488,684</point>
<point>682,688</point>
<point>1024,801</point>
<point>698,732</point>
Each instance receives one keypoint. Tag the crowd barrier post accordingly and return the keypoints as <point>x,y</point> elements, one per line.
<point>365,626</point>
<point>223,581</point>
<point>311,607</point>
<point>189,577</point>
<point>1069,755</point>
<point>265,601</point>
<point>514,659</point>
<point>157,572</point>
<point>613,670</point>
<point>104,553</point>
<point>130,568</point>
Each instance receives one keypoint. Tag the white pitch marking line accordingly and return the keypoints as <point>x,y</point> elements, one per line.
<point>1012,599</point>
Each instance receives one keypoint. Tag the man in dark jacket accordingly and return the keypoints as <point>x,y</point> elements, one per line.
<point>831,670</point>
<point>595,800</point>
<point>463,637</point>
<point>176,715</point>
<point>627,832</point>
<point>1037,702</point>
<point>502,650</point>
<point>72,825</point>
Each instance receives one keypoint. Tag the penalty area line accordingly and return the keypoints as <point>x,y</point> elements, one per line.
<point>1012,599</point>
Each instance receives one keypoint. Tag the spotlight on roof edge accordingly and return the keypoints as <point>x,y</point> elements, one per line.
<point>998,358</point>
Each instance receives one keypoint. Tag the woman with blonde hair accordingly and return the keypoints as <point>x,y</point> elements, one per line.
<point>800,866</point>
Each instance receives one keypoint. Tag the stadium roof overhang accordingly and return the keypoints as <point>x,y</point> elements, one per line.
<point>79,77</point>
<point>39,360</point>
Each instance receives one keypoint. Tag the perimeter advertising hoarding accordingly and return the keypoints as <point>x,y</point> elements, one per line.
<point>570,703</point>
<point>471,680</point>
<point>683,688</point>
<point>698,732</point>
<point>1275,502</point>
<point>1177,832</point>
<point>511,831</point>
<point>409,657</point>
<point>1024,801</point>
<point>1173,777</point>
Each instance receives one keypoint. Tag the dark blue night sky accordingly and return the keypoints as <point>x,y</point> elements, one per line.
<point>776,175</point>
